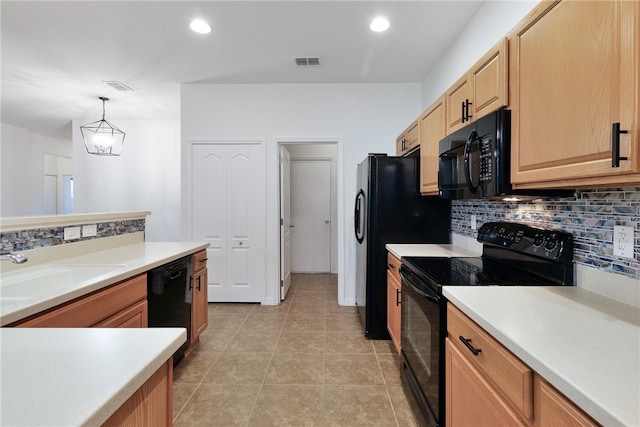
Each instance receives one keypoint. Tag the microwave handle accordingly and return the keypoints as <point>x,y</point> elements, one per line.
<point>467,164</point>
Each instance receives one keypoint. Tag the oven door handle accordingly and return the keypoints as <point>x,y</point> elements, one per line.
<point>406,277</point>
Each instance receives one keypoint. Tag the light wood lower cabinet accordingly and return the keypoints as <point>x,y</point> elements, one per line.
<point>121,305</point>
<point>151,404</point>
<point>199,303</point>
<point>486,385</point>
<point>393,299</point>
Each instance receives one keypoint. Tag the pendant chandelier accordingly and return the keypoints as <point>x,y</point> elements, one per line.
<point>101,137</point>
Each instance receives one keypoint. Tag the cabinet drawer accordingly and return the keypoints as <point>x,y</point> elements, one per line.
<point>508,373</point>
<point>200,260</point>
<point>393,266</point>
<point>135,316</point>
<point>89,310</point>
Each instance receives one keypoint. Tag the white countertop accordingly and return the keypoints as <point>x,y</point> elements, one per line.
<point>74,377</point>
<point>429,250</point>
<point>586,345</point>
<point>31,289</point>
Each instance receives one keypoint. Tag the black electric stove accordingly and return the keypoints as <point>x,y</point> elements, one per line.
<point>512,255</point>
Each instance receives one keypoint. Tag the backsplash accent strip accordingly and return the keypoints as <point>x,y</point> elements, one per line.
<point>589,216</point>
<point>21,240</point>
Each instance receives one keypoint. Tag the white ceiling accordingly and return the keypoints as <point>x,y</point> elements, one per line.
<point>56,55</point>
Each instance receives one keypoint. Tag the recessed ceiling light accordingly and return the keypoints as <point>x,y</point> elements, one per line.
<point>379,24</point>
<point>199,26</point>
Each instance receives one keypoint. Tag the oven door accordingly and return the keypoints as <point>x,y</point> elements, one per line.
<point>421,327</point>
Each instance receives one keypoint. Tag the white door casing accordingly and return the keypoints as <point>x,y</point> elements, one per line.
<point>228,212</point>
<point>285,221</point>
<point>311,215</point>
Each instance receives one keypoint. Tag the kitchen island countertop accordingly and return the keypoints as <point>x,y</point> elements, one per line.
<point>31,289</point>
<point>79,376</point>
<point>584,344</point>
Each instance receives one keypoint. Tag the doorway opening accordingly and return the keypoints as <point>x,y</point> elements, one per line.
<point>308,199</point>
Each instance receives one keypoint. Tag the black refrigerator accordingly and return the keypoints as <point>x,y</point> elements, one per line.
<point>390,209</point>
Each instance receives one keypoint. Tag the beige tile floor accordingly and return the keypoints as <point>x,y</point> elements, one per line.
<point>304,362</point>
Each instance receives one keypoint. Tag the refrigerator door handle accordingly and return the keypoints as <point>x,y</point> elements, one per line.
<point>359,230</point>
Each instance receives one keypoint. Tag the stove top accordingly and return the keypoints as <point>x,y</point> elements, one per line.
<point>513,254</point>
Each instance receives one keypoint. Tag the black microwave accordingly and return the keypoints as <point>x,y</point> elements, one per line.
<point>474,160</point>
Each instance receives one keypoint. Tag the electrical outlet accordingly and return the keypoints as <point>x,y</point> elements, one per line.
<point>623,239</point>
<point>71,233</point>
<point>89,230</point>
<point>473,222</point>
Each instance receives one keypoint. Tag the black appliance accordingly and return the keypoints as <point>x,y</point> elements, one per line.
<point>390,209</point>
<point>169,296</point>
<point>513,255</point>
<point>474,161</point>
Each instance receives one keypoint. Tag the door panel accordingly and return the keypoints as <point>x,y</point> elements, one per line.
<point>285,221</point>
<point>311,215</point>
<point>228,212</point>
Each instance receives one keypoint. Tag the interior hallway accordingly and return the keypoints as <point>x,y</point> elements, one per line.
<point>304,362</point>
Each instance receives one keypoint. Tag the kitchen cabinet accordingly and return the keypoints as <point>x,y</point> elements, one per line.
<point>575,71</point>
<point>481,90</point>
<point>431,124</point>
<point>123,304</point>
<point>408,140</point>
<point>393,299</point>
<point>488,385</point>
<point>199,303</point>
<point>151,404</point>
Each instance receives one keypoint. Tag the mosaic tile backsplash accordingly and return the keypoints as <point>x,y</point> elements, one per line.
<point>589,216</point>
<point>40,237</point>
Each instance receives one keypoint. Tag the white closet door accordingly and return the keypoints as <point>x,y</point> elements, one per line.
<point>228,212</point>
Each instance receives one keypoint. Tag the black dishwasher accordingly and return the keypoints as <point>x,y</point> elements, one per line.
<point>169,298</point>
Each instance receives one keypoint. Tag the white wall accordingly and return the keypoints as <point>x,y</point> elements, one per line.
<point>363,118</point>
<point>22,169</point>
<point>494,20</point>
<point>145,177</point>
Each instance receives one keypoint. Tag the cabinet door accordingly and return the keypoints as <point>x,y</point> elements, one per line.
<point>456,97</point>
<point>400,144</point>
<point>575,68</point>
<point>489,88</point>
<point>470,399</point>
<point>551,408</point>
<point>136,316</point>
<point>432,129</point>
<point>393,309</point>
<point>199,307</point>
<point>412,137</point>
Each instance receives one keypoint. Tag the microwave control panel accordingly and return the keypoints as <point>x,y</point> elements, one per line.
<point>486,160</point>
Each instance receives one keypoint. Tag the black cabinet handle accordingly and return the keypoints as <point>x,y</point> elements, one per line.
<point>198,283</point>
<point>191,283</point>
<point>392,267</point>
<point>469,115</point>
<point>615,145</point>
<point>467,343</point>
<point>203,260</point>
<point>462,114</point>
<point>398,297</point>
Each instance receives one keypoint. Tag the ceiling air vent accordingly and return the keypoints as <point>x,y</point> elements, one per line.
<point>118,85</point>
<point>307,61</point>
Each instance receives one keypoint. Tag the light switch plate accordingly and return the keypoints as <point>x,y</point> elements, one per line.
<point>71,233</point>
<point>89,230</point>
<point>623,239</point>
<point>473,222</point>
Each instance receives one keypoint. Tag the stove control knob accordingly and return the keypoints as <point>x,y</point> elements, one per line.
<point>538,240</point>
<point>551,243</point>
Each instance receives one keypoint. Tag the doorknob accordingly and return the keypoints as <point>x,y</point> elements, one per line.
<point>326,221</point>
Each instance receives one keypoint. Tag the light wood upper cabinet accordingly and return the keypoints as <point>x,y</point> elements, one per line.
<point>432,129</point>
<point>483,89</point>
<point>574,70</point>
<point>408,140</point>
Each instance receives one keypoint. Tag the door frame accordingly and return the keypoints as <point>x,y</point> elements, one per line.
<point>337,221</point>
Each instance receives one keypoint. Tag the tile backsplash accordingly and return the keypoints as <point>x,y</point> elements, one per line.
<point>21,240</point>
<point>589,216</point>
